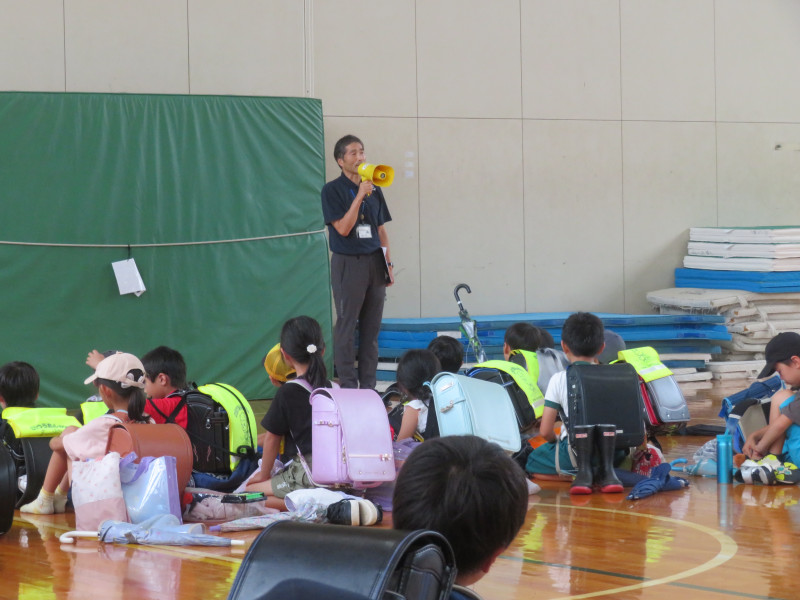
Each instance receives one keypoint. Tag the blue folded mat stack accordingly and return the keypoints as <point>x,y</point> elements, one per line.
<point>666,333</point>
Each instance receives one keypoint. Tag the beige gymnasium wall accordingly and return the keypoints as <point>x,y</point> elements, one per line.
<point>550,153</point>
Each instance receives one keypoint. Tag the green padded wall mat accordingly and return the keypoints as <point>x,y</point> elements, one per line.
<point>217,200</point>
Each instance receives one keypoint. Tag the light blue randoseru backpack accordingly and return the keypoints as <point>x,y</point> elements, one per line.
<point>467,406</point>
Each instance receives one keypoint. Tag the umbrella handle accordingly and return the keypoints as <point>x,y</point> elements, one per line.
<point>461,286</point>
<point>69,537</point>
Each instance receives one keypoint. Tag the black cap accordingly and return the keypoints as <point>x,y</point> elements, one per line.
<point>780,348</point>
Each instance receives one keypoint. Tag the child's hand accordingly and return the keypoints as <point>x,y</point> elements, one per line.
<point>93,358</point>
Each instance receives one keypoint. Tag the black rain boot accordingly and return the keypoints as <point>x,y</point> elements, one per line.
<point>584,447</point>
<point>606,436</point>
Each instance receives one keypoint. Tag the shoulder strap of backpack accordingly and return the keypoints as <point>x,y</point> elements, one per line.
<point>175,411</point>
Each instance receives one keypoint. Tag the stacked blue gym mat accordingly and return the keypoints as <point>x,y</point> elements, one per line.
<point>755,259</point>
<point>670,334</point>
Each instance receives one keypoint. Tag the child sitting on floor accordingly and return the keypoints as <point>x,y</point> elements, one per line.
<point>468,490</point>
<point>288,419</point>
<point>781,437</point>
<point>449,351</point>
<point>19,385</point>
<point>416,367</point>
<point>119,379</point>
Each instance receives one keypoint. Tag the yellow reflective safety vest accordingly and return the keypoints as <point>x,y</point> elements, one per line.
<point>523,378</point>
<point>242,431</point>
<point>26,421</point>
<point>92,409</point>
<point>646,362</point>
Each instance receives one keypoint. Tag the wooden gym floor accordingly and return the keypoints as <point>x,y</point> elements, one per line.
<point>707,542</point>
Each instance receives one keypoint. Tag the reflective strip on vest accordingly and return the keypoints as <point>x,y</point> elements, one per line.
<point>523,379</point>
<point>92,410</point>
<point>646,362</point>
<point>38,422</point>
<point>241,420</point>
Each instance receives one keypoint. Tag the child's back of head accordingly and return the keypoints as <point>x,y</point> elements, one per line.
<point>449,351</point>
<point>522,336</point>
<point>468,490</point>
<point>19,384</point>
<point>582,334</point>
<point>414,369</point>
<point>123,375</point>
<point>301,339</point>
<point>167,361</point>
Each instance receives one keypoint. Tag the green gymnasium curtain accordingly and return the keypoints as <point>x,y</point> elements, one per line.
<point>218,199</point>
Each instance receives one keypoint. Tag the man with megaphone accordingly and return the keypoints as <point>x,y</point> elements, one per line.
<point>361,266</point>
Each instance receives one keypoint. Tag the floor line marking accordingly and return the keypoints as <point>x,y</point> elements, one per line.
<point>728,549</point>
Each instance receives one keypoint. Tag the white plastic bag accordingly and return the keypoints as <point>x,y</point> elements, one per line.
<point>150,487</point>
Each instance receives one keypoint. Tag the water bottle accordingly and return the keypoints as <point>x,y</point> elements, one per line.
<point>724,458</point>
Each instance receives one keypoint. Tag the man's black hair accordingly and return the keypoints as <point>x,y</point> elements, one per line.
<point>342,144</point>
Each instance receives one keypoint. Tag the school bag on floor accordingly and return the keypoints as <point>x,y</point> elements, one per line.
<point>351,443</point>
<point>606,394</point>
<point>288,557</point>
<point>220,424</point>
<point>468,406</point>
<point>662,399</point>
<point>526,398</point>
<point>26,432</point>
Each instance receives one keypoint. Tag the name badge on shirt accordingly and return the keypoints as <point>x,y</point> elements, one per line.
<point>364,231</point>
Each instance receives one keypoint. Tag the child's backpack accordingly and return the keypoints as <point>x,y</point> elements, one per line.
<point>468,406</point>
<point>351,443</point>
<point>662,399</point>
<point>606,394</point>
<point>747,411</point>
<point>221,425</point>
<point>542,364</point>
<point>296,560</point>
<point>526,398</point>
<point>26,433</point>
<point>8,488</point>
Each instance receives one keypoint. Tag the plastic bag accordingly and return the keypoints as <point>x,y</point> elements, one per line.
<point>150,487</point>
<point>97,492</point>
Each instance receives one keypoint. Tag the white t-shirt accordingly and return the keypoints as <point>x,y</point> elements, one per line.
<point>557,394</point>
<point>422,421</point>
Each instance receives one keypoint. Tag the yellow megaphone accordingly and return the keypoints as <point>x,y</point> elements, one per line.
<point>380,175</point>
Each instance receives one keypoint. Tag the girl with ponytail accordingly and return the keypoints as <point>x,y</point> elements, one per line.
<point>416,367</point>
<point>119,379</point>
<point>288,419</point>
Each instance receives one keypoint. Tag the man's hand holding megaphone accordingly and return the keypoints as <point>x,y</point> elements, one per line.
<point>380,175</point>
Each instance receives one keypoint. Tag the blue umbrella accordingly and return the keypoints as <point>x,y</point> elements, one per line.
<point>160,530</point>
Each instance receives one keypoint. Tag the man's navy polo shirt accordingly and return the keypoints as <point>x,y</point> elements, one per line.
<point>337,196</point>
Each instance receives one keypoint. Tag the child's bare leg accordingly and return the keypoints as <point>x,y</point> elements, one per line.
<point>271,500</point>
<point>52,497</point>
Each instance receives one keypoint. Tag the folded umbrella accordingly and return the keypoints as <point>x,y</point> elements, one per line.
<point>658,481</point>
<point>161,530</point>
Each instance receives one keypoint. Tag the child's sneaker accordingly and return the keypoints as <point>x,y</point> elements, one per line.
<point>354,512</point>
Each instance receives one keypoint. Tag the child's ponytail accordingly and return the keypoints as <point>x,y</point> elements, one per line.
<point>135,397</point>
<point>301,338</point>
<point>136,404</point>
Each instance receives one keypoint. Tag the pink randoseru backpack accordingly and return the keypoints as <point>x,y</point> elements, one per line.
<point>350,438</point>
